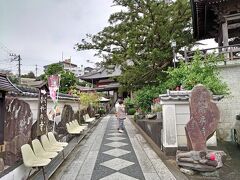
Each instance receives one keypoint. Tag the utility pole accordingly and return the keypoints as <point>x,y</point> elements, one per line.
<point>17,58</point>
<point>36,69</point>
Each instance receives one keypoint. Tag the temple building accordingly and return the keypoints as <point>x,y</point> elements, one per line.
<point>218,19</point>
<point>104,80</point>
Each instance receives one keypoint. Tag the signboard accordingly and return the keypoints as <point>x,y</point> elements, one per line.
<point>53,85</point>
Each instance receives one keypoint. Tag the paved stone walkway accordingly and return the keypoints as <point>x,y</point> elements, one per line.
<point>109,155</point>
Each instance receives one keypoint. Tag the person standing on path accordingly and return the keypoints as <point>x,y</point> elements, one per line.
<point>116,110</point>
<point>121,115</point>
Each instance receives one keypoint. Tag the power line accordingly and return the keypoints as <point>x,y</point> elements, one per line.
<point>17,58</point>
<point>5,48</point>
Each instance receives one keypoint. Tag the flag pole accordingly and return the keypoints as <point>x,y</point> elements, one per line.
<point>55,104</point>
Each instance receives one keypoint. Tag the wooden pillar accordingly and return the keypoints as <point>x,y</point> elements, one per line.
<point>2,116</point>
<point>225,40</point>
<point>225,33</point>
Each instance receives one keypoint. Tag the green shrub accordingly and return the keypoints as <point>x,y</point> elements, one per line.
<point>201,70</point>
<point>128,103</point>
<point>101,112</point>
<point>131,111</point>
<point>144,97</point>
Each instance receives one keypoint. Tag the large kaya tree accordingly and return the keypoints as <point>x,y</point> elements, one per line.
<point>138,38</point>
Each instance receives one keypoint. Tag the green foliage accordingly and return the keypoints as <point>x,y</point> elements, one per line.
<point>145,96</point>
<point>67,79</point>
<point>84,84</point>
<point>101,111</point>
<point>29,75</point>
<point>138,39</point>
<point>129,103</point>
<point>13,79</point>
<point>54,69</point>
<point>87,99</point>
<point>199,71</point>
<point>131,111</point>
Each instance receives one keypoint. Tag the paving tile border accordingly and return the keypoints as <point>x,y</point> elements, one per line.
<point>167,161</point>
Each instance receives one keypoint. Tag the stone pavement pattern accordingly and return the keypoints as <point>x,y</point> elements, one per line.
<point>109,155</point>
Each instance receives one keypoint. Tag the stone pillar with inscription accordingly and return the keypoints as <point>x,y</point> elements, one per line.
<point>42,119</point>
<point>169,133</point>
<point>204,117</point>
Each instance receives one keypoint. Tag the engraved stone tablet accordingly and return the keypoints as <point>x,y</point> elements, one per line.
<point>204,117</point>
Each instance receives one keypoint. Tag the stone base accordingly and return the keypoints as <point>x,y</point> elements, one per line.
<point>170,151</point>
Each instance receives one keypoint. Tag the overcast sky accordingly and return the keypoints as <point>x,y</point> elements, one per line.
<point>40,30</point>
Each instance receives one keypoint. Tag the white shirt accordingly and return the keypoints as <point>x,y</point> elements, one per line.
<point>116,106</point>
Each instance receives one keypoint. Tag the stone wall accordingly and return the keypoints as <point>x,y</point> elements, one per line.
<point>17,129</point>
<point>229,106</point>
<point>21,116</point>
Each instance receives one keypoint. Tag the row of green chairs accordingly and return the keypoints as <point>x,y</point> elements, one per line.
<point>74,127</point>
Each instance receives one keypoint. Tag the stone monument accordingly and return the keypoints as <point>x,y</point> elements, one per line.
<point>204,117</point>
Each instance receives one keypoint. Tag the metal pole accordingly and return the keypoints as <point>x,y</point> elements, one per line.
<point>19,69</point>
<point>174,56</point>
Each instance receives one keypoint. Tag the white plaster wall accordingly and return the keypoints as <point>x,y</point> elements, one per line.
<point>176,115</point>
<point>169,126</point>
<point>33,102</point>
<point>20,172</point>
<point>229,106</point>
<point>182,117</point>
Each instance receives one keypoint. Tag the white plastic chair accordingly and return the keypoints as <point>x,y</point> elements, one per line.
<point>75,122</point>
<point>30,159</point>
<point>40,152</point>
<point>75,127</point>
<point>48,146</point>
<point>87,118</point>
<point>53,140</point>
<point>72,130</point>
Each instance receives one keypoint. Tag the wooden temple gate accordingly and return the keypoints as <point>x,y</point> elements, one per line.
<point>216,19</point>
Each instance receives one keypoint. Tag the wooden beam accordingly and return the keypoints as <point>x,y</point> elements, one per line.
<point>234,26</point>
<point>232,17</point>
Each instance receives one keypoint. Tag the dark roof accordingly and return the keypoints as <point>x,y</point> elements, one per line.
<point>6,85</point>
<point>102,73</point>
<point>88,68</point>
<point>85,89</point>
<point>37,84</point>
<point>34,92</point>
<point>108,87</point>
<point>206,17</point>
<point>106,81</point>
<point>182,96</point>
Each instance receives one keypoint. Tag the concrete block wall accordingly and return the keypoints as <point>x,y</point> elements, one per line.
<point>229,106</point>
<point>182,117</point>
